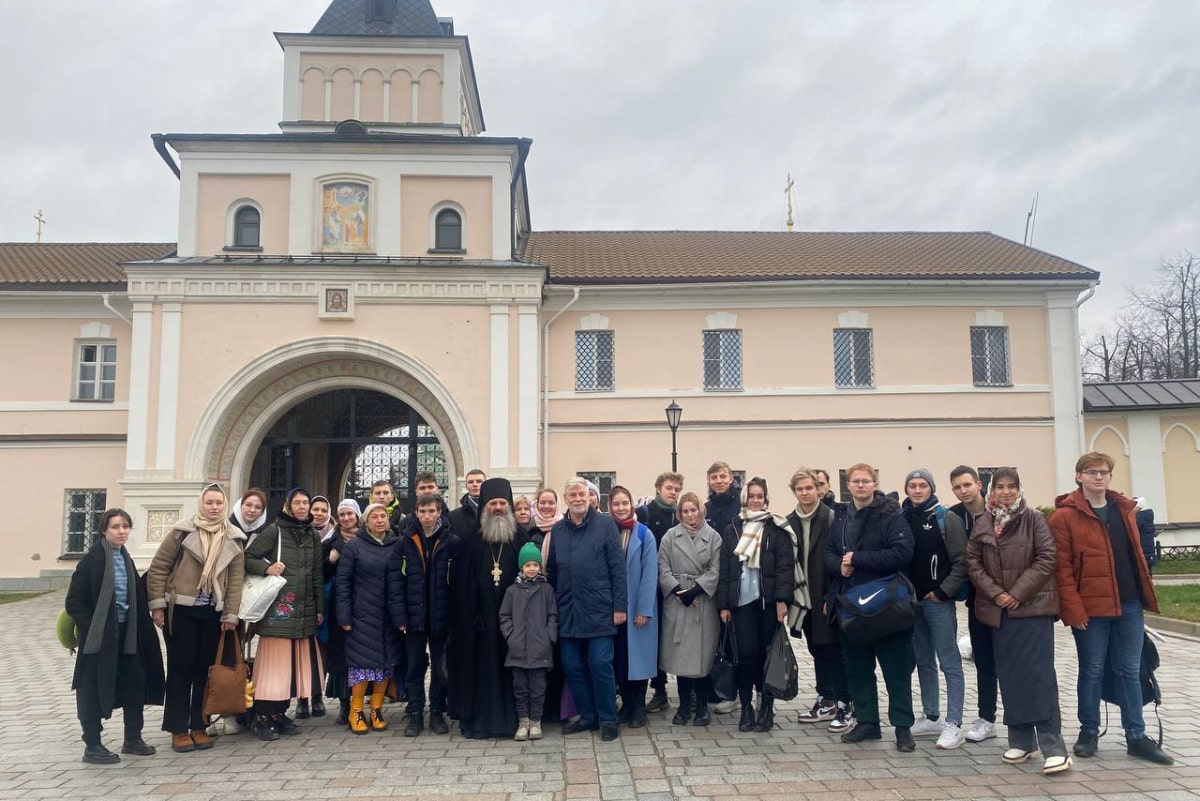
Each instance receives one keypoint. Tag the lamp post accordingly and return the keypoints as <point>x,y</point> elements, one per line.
<point>674,412</point>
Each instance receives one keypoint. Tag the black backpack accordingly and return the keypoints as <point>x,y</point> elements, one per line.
<point>1151,691</point>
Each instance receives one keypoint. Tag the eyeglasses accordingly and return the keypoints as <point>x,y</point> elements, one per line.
<point>1097,473</point>
<point>861,481</point>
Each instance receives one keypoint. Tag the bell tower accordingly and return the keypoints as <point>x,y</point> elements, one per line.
<point>393,65</point>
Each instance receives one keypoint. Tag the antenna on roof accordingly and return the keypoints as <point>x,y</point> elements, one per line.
<point>787,192</point>
<point>1031,220</point>
<point>41,220</point>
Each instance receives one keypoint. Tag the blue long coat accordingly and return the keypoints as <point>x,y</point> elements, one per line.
<point>641,577</point>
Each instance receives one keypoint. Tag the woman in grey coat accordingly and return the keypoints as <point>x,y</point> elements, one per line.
<point>689,569</point>
<point>529,623</point>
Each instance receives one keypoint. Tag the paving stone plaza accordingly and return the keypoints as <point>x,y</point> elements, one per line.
<point>40,751</point>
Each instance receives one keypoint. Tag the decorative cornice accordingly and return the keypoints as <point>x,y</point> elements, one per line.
<point>239,283</point>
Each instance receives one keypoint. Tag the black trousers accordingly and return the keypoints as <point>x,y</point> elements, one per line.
<point>700,686</point>
<point>754,626</point>
<point>415,645</point>
<point>897,663</point>
<point>129,693</point>
<point>191,649</point>
<point>828,664</point>
<point>983,654</point>
<point>659,682</point>
<point>529,691</point>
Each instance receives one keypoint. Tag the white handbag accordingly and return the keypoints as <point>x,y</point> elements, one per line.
<point>259,591</point>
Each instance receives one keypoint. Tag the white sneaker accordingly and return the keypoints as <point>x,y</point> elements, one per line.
<point>213,730</point>
<point>1015,756</point>
<point>725,707</point>
<point>927,728</point>
<point>843,718</point>
<point>230,726</point>
<point>951,737</point>
<point>819,712</point>
<point>980,730</point>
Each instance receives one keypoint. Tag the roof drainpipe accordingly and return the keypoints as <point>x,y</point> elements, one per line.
<point>108,305</point>
<point>546,382</point>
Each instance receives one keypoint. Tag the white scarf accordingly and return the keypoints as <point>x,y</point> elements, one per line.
<point>749,547</point>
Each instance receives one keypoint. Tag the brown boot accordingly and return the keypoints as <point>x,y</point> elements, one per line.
<point>377,721</point>
<point>358,721</point>
<point>182,743</point>
<point>201,740</point>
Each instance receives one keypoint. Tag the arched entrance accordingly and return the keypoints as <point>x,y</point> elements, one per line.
<point>225,442</point>
<point>340,442</point>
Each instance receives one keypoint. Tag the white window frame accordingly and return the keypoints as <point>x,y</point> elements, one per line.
<point>724,352</point>
<point>97,381</point>
<point>856,381</point>
<point>990,335</point>
<point>589,339</point>
<point>448,205</point>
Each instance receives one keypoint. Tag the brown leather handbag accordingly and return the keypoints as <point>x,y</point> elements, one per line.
<point>225,692</point>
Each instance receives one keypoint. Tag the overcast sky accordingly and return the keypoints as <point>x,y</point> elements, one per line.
<point>675,114</point>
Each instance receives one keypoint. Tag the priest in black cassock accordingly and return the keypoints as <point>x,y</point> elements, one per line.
<point>479,692</point>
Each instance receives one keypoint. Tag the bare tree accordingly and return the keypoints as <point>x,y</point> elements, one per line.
<point>1157,336</point>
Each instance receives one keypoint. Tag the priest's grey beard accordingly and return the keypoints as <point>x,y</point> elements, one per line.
<point>498,529</point>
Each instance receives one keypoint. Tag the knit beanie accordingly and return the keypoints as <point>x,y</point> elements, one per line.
<point>351,504</point>
<point>920,472</point>
<point>529,553</point>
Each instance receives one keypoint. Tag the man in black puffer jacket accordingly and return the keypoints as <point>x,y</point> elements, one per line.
<point>420,607</point>
<point>724,497</point>
<point>869,540</point>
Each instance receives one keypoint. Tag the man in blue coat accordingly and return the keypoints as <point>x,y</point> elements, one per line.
<point>587,570</point>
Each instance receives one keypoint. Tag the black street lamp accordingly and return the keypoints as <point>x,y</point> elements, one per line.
<point>674,412</point>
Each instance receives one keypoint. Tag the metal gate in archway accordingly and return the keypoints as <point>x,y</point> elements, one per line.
<point>340,442</point>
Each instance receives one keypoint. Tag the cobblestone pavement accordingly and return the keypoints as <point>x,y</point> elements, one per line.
<point>40,751</point>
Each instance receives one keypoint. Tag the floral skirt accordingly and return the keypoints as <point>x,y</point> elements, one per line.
<point>286,669</point>
<point>357,675</point>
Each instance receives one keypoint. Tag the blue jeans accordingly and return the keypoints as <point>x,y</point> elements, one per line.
<point>935,640</point>
<point>1117,640</point>
<point>587,663</point>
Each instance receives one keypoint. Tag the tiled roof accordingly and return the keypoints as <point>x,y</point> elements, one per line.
<point>74,262</point>
<point>603,257</point>
<point>349,18</point>
<point>1133,395</point>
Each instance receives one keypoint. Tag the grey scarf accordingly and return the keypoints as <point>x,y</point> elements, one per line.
<point>105,605</point>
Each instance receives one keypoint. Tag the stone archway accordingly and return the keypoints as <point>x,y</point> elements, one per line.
<point>226,435</point>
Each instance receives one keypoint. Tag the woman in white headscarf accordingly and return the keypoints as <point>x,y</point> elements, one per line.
<point>194,587</point>
<point>349,522</point>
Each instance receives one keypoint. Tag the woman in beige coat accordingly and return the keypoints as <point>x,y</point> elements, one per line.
<point>194,587</point>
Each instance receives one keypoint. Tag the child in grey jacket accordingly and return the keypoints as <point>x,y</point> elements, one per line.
<point>529,623</point>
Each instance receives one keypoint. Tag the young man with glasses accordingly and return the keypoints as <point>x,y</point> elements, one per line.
<point>1103,586</point>
<point>867,541</point>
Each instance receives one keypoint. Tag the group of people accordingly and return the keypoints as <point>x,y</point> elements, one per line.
<point>521,611</point>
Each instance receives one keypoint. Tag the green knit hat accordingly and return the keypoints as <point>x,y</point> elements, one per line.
<point>529,553</point>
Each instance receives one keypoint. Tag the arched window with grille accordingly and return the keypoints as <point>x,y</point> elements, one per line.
<point>448,230</point>
<point>247,226</point>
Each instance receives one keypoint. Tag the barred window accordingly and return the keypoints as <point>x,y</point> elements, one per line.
<point>723,359</point>
<point>95,370</point>
<point>593,361</point>
<point>989,356</point>
<point>604,481</point>
<point>853,357</point>
<point>985,479</point>
<point>82,510</point>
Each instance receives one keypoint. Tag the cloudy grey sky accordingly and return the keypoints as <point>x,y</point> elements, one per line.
<point>675,114</point>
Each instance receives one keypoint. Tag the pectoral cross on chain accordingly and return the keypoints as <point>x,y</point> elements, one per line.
<point>496,573</point>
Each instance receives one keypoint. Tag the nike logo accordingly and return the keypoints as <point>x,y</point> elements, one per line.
<point>864,601</point>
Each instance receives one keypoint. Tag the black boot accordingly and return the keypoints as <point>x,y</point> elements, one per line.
<point>318,706</point>
<point>637,719</point>
<point>302,712</point>
<point>343,713</point>
<point>626,713</point>
<point>1085,746</point>
<point>766,715</point>
<point>658,701</point>
<point>703,716</point>
<point>684,713</point>
<point>746,722</point>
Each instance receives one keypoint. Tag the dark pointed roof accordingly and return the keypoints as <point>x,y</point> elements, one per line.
<point>349,18</point>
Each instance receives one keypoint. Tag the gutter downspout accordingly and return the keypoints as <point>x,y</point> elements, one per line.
<point>1075,321</point>
<point>104,299</point>
<point>546,381</point>
<point>160,144</point>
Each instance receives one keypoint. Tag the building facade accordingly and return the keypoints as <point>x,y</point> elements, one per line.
<point>362,295</point>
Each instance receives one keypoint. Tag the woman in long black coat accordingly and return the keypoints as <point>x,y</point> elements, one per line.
<point>119,661</point>
<point>349,517</point>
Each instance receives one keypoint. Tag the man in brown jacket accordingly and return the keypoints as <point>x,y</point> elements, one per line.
<point>1103,586</point>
